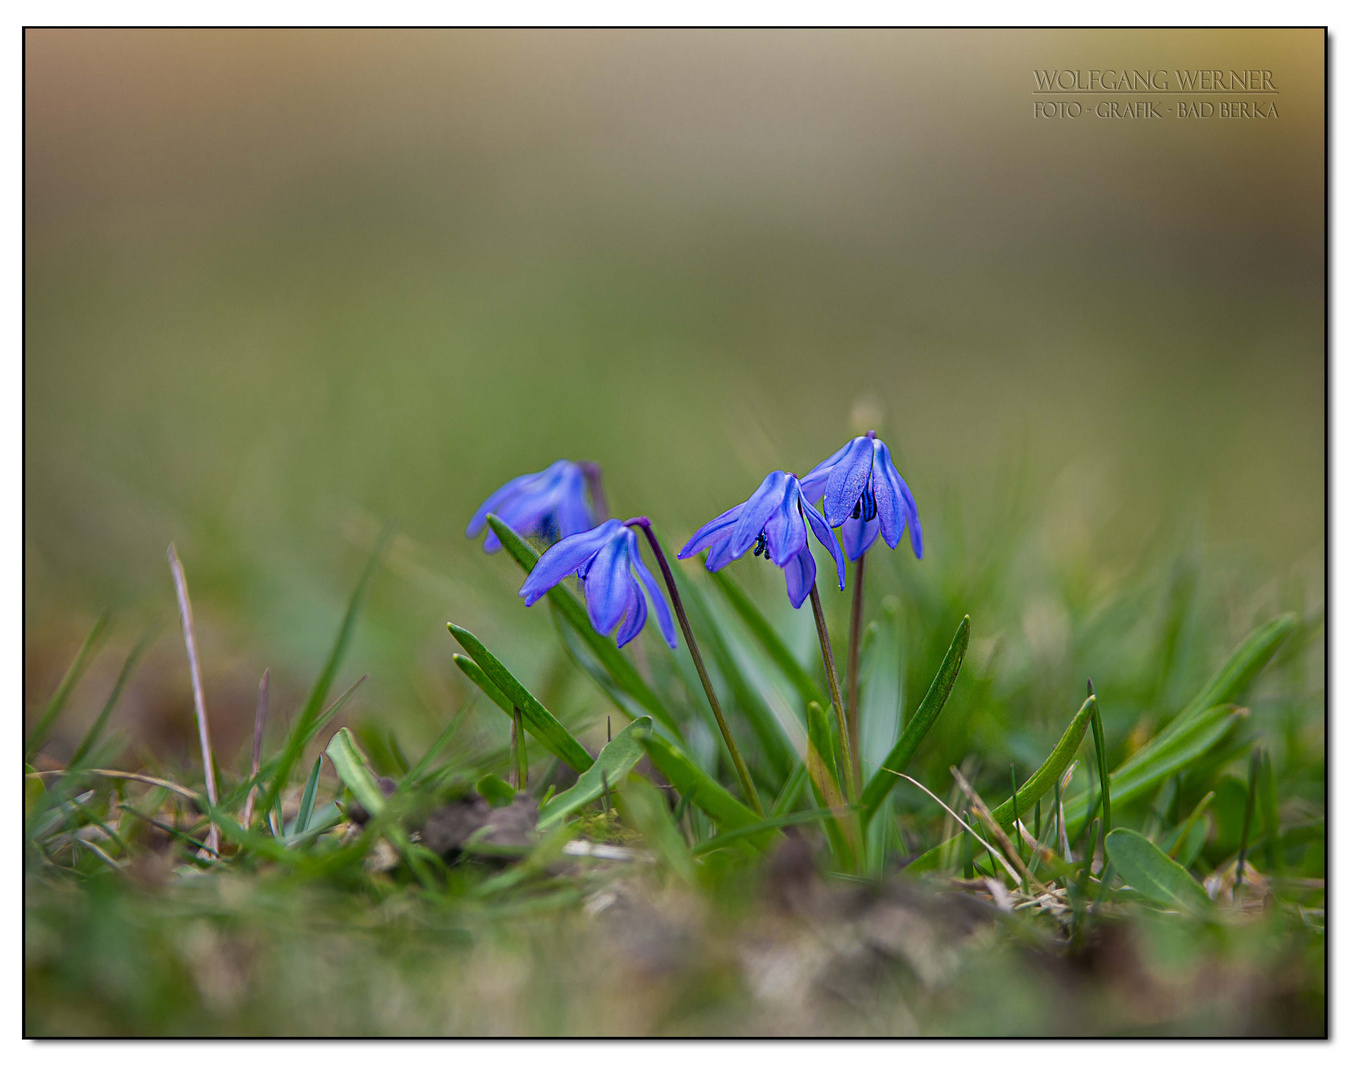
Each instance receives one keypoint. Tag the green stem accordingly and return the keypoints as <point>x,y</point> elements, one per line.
<point>853,660</point>
<point>834,685</point>
<point>741,766</point>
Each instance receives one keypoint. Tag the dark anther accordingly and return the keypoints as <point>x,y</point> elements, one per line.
<point>761,548</point>
<point>866,505</point>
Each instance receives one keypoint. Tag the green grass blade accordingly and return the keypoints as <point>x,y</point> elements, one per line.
<point>72,676</point>
<point>692,781</point>
<point>646,809</point>
<point>1102,761</point>
<point>614,762</point>
<point>770,641</point>
<point>549,732</point>
<point>270,771</point>
<point>789,794</point>
<point>1034,788</point>
<point>355,772</point>
<point>823,768</point>
<point>603,648</point>
<point>919,726</point>
<point>1153,873</point>
<point>1160,759</point>
<point>307,800</point>
<point>481,680</point>
<point>732,836</point>
<point>96,729</point>
<point>305,728</point>
<point>1236,674</point>
<point>414,775</point>
<point>774,743</point>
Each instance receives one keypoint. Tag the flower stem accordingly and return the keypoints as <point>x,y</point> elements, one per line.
<point>834,685</point>
<point>853,659</point>
<point>741,766</point>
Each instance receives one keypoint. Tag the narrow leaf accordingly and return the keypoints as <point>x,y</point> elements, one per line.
<point>477,676</point>
<point>770,640</point>
<point>920,724</point>
<point>1236,674</point>
<point>693,782</point>
<point>73,675</point>
<point>307,800</point>
<point>352,768</point>
<point>1161,758</point>
<point>304,729</point>
<point>549,732</point>
<point>615,761</point>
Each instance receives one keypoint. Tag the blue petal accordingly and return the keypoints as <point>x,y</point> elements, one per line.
<point>635,613</point>
<point>706,534</point>
<point>757,509</point>
<point>572,512</point>
<point>892,505</point>
<point>531,506</point>
<point>496,500</point>
<point>827,539</point>
<point>608,585</point>
<point>913,518</point>
<point>564,558</point>
<point>785,531</point>
<point>858,535</point>
<point>659,601</point>
<point>814,481</point>
<point>799,575</point>
<point>721,554</point>
<point>848,479</point>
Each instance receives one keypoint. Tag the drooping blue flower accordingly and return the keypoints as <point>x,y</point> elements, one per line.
<point>550,504</point>
<point>862,491</point>
<point>773,520</point>
<point>607,561</point>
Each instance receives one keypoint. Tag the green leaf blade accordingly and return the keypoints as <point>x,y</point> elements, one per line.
<point>1153,873</point>
<point>881,783</point>
<point>615,761</point>
<point>549,732</point>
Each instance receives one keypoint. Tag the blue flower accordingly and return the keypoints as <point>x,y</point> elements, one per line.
<point>607,561</point>
<point>550,504</point>
<point>862,491</point>
<point>772,520</point>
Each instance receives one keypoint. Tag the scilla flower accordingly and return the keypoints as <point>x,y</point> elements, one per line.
<point>550,504</point>
<point>770,523</point>
<point>607,561</point>
<point>862,491</point>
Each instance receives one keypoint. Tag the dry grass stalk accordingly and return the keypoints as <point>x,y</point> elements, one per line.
<point>199,702</point>
<point>982,812</point>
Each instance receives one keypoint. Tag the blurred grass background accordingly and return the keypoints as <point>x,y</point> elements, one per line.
<point>282,286</point>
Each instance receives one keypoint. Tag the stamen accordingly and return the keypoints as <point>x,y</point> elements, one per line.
<point>762,548</point>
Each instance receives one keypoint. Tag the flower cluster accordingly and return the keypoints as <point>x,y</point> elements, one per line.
<point>861,491</point>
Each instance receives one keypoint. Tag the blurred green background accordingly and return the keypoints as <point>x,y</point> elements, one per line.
<point>284,286</point>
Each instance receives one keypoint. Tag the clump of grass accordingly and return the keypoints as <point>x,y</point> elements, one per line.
<point>687,888</point>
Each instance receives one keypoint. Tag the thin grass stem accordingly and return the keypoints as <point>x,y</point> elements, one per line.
<point>853,661</point>
<point>199,702</point>
<point>745,777</point>
<point>834,686</point>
